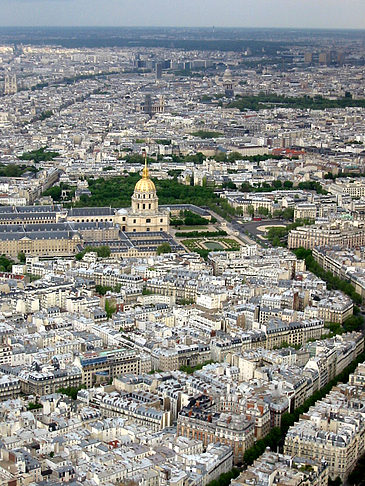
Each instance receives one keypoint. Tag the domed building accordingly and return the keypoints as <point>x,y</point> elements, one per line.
<point>227,83</point>
<point>144,214</point>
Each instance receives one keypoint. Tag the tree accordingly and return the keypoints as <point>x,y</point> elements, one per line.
<point>246,187</point>
<point>207,134</point>
<point>71,391</point>
<point>110,308</point>
<point>55,192</point>
<point>34,406</point>
<point>277,184</point>
<point>229,185</point>
<point>103,289</point>
<point>288,214</point>
<point>334,482</point>
<point>21,257</point>
<point>357,475</point>
<point>5,264</point>
<point>250,210</point>
<point>163,248</point>
<point>41,154</point>
<point>103,251</point>
<point>263,211</point>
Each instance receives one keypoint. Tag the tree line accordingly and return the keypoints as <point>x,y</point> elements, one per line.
<point>276,436</point>
<point>332,281</point>
<point>264,101</point>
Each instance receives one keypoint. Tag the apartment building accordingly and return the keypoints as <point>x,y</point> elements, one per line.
<point>345,234</point>
<point>99,367</point>
<point>197,421</point>
<point>274,468</point>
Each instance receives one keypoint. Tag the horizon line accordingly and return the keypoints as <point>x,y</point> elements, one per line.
<point>175,27</point>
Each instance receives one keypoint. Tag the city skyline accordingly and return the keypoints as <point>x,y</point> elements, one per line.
<point>201,13</point>
<point>182,243</point>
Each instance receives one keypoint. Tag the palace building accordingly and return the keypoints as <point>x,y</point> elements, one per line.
<point>144,214</point>
<point>48,231</point>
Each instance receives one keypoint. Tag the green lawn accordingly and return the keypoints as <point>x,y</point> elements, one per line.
<point>213,245</point>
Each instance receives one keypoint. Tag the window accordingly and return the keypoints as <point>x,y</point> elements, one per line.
<point>148,229</point>
<point>144,206</point>
<point>134,221</point>
<point>148,220</point>
<point>161,220</point>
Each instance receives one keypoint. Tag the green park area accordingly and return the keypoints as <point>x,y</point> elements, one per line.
<point>187,220</point>
<point>264,101</point>
<point>117,192</point>
<point>204,246</point>
<point>40,155</point>
<point>15,170</point>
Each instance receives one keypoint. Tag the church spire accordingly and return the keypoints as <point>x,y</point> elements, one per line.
<point>145,172</point>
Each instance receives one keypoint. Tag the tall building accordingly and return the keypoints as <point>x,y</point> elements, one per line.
<point>147,107</point>
<point>10,85</point>
<point>308,57</point>
<point>144,214</point>
<point>158,70</point>
<point>324,58</point>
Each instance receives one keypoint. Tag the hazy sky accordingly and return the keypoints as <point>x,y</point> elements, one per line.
<point>225,13</point>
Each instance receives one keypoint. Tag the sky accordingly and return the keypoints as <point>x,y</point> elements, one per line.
<point>343,14</point>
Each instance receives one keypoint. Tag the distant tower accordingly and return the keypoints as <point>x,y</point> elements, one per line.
<point>324,58</point>
<point>148,104</point>
<point>10,86</point>
<point>158,70</point>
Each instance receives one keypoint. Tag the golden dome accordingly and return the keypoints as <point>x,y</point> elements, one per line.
<point>145,184</point>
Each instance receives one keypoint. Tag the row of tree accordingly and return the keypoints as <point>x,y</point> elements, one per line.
<point>333,282</point>
<point>225,478</point>
<point>277,435</point>
<point>188,218</point>
<point>264,101</point>
<point>200,234</point>
<point>278,185</point>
